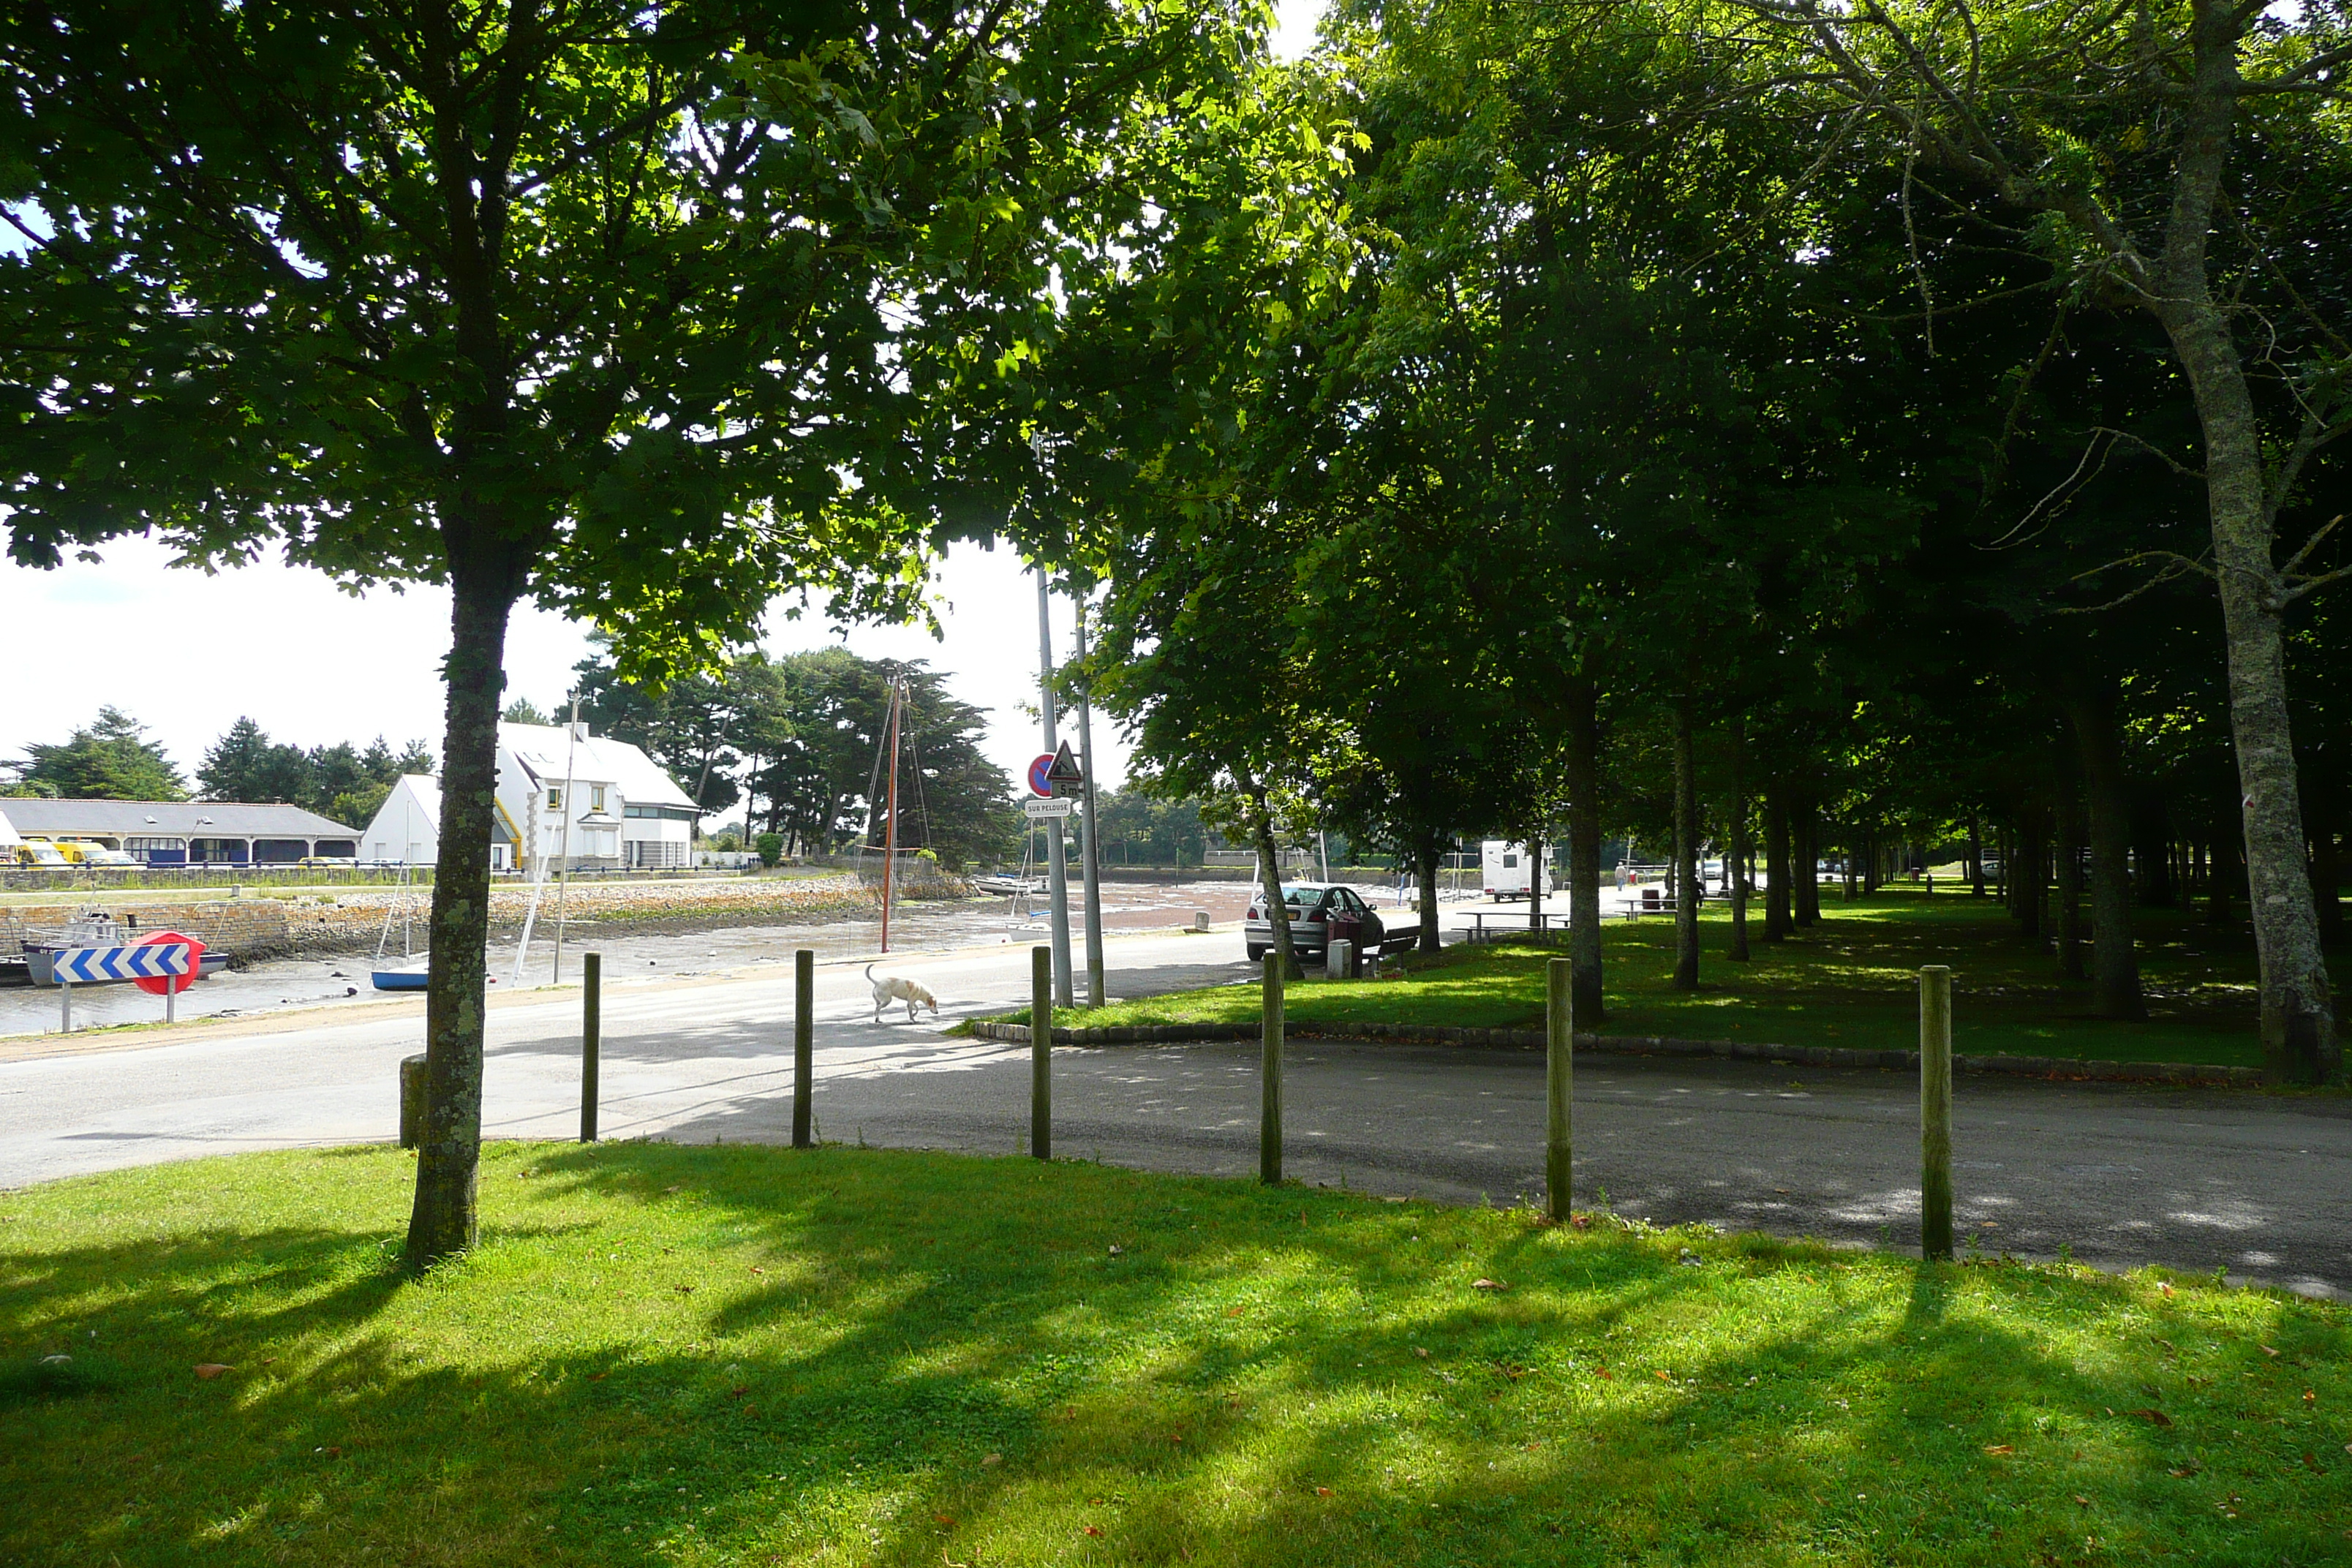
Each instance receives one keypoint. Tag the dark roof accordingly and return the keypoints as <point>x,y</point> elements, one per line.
<point>170,819</point>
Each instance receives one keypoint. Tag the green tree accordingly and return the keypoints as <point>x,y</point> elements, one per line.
<point>108,758</point>
<point>638,310</point>
<point>813,727</point>
<point>246,764</point>
<point>2184,159</point>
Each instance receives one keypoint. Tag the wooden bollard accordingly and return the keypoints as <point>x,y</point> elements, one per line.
<point>1269,1115</point>
<point>1041,1053</point>
<point>1559,1082</point>
<point>592,1029</point>
<point>1936,1113</point>
<point>412,1101</point>
<point>803,1045</point>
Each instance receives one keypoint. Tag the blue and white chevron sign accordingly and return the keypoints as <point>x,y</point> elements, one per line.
<point>150,961</point>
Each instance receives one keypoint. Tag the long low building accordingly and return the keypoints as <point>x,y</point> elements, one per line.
<point>183,832</point>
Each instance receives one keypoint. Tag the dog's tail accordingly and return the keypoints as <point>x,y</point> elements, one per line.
<point>869,975</point>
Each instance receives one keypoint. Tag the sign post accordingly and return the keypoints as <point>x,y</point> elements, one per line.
<point>1088,847</point>
<point>1057,873</point>
<point>166,961</point>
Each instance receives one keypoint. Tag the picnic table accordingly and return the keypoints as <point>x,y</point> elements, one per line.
<point>1512,922</point>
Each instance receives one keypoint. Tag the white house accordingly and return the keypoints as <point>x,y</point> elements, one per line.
<point>589,802</point>
<point>406,828</point>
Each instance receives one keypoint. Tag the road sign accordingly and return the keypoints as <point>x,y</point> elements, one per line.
<point>172,985</point>
<point>1041,771</point>
<point>96,966</point>
<point>1064,771</point>
<point>1048,808</point>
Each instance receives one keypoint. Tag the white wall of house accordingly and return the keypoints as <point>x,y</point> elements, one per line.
<point>619,809</point>
<point>406,828</point>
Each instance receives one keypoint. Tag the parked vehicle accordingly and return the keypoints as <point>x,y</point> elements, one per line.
<point>81,852</point>
<point>35,852</point>
<point>1503,866</point>
<point>1312,907</point>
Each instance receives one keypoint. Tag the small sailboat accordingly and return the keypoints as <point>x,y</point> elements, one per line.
<point>411,973</point>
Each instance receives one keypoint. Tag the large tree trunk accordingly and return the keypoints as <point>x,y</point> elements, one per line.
<point>1685,855</point>
<point>1976,857</point>
<point>1776,862</point>
<point>445,1219</point>
<point>2326,868</point>
<point>2116,966</point>
<point>2070,877</point>
<point>2222,874</point>
<point>2151,853</point>
<point>1427,860</point>
<point>1736,860</point>
<point>1584,851</point>
<point>1805,881</point>
<point>2029,882</point>
<point>2299,1012</point>
<point>1535,886</point>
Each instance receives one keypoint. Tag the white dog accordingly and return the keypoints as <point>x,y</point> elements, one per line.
<point>891,988</point>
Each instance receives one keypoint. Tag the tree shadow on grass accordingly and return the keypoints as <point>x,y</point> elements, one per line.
<point>674,1354</point>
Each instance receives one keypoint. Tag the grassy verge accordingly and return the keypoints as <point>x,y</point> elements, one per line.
<point>665,1355</point>
<point>1850,981</point>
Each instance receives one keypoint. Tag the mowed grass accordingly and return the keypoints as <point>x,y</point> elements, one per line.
<point>749,1355</point>
<point>1852,980</point>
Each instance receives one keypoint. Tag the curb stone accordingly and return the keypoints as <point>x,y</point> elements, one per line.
<point>2058,1068</point>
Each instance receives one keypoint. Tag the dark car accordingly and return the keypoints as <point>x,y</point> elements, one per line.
<point>1313,907</point>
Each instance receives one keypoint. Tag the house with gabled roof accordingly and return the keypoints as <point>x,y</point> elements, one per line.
<point>565,798</point>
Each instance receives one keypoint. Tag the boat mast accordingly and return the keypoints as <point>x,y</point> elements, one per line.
<point>890,825</point>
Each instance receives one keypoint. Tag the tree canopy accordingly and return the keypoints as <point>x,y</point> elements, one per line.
<point>110,758</point>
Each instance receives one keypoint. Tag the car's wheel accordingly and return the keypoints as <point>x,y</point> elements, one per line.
<point>1256,953</point>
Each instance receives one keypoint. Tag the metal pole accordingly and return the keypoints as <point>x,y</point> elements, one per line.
<point>804,1052</point>
<point>1559,1082</point>
<point>564,848</point>
<point>1269,1115</point>
<point>1093,861</point>
<point>1041,1049</point>
<point>1936,1113</point>
<point>1058,875</point>
<point>592,1029</point>
<point>64,1006</point>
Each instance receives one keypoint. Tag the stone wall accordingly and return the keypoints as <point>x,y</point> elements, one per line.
<point>244,928</point>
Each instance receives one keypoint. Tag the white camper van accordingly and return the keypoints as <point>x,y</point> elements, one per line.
<point>1506,868</point>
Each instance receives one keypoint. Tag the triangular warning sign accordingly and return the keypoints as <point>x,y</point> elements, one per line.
<point>1065,770</point>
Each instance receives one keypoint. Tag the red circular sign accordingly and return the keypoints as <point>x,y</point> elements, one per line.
<point>157,985</point>
<point>1039,784</point>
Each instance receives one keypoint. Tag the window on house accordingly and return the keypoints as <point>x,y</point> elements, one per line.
<point>596,797</point>
<point>556,800</point>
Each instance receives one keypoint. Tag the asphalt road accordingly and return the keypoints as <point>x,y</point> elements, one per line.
<point>2118,1174</point>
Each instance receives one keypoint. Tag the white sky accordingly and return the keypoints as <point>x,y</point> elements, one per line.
<point>187,655</point>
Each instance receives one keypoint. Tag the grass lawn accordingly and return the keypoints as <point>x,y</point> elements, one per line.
<point>747,1355</point>
<point>1850,981</point>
